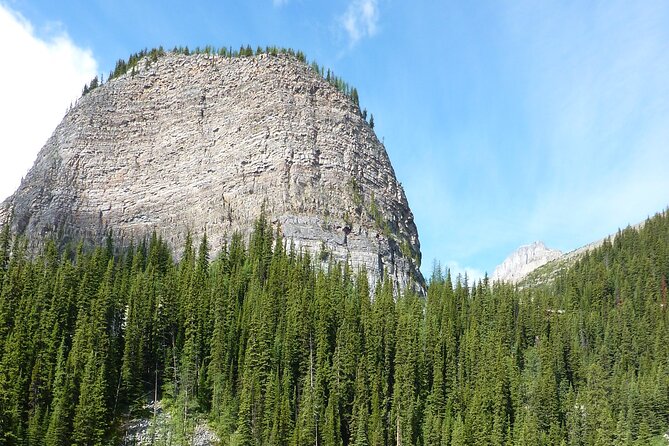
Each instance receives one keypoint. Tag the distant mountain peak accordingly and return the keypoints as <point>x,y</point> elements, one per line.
<point>523,261</point>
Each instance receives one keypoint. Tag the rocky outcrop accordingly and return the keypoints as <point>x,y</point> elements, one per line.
<point>523,261</point>
<point>199,143</point>
<point>159,428</point>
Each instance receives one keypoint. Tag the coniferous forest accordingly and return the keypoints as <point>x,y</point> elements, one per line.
<point>273,350</point>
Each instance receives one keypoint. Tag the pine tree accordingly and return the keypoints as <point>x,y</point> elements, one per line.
<point>90,415</point>
<point>59,426</point>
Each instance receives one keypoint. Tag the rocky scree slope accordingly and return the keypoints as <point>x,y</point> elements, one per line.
<point>200,143</point>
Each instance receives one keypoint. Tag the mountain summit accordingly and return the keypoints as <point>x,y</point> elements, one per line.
<point>202,143</point>
<point>523,261</point>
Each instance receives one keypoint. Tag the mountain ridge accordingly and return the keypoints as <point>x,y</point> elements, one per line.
<point>523,261</point>
<point>543,267</point>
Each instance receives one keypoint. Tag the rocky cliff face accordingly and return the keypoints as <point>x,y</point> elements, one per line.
<point>523,261</point>
<point>200,143</point>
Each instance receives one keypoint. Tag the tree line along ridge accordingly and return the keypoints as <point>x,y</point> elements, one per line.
<point>129,65</point>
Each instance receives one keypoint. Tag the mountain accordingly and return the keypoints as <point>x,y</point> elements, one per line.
<point>523,261</point>
<point>202,143</point>
<point>535,264</point>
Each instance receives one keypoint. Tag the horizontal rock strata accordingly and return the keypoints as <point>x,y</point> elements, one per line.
<point>201,142</point>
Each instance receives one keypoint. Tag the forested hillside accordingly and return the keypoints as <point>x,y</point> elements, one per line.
<point>274,351</point>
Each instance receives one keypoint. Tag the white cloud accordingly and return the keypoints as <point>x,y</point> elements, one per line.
<point>361,19</point>
<point>38,81</point>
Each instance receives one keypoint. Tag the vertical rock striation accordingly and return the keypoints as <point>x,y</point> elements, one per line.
<point>201,142</point>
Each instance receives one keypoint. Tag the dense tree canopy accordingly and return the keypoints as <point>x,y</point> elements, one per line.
<point>275,351</point>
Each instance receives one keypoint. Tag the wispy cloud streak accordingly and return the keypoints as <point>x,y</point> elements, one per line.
<point>360,20</point>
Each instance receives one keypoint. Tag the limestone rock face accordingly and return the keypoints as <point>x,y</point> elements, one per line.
<point>523,261</point>
<point>200,142</point>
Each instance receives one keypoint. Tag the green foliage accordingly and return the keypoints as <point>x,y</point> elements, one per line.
<point>124,66</point>
<point>275,351</point>
<point>375,213</point>
<point>356,195</point>
<point>95,83</point>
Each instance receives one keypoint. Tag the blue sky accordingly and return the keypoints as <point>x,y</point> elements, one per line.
<point>506,121</point>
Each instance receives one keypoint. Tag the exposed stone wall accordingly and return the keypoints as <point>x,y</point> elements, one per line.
<point>201,142</point>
